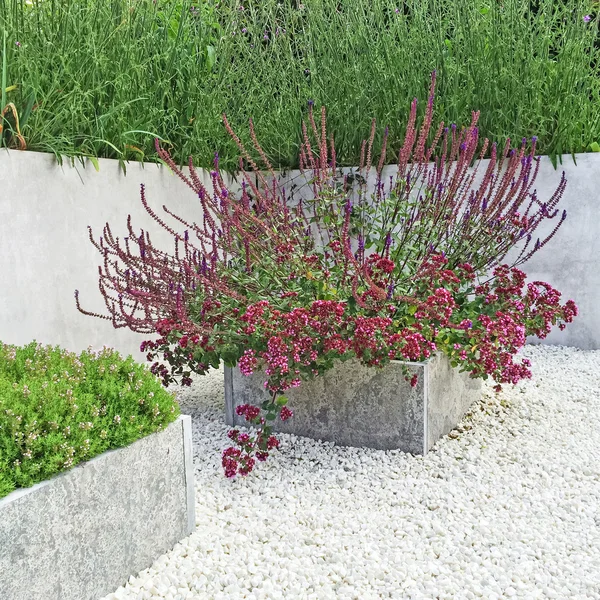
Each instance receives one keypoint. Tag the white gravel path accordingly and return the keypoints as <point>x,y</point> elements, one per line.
<point>508,506</point>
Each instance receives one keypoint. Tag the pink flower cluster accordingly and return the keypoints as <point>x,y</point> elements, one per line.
<point>240,460</point>
<point>481,327</point>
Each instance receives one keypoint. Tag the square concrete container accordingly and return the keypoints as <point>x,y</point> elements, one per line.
<point>354,405</point>
<point>81,534</point>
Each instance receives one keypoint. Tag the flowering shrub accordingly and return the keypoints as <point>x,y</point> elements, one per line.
<point>58,409</point>
<point>289,281</point>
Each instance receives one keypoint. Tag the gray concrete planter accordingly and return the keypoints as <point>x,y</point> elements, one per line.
<point>81,534</point>
<point>354,405</point>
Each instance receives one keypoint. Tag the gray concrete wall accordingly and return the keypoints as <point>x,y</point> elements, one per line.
<point>570,262</point>
<point>81,534</point>
<point>45,254</point>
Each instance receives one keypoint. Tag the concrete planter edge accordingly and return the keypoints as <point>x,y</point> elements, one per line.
<point>82,533</point>
<point>354,405</point>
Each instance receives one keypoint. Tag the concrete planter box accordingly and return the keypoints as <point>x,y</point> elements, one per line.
<point>354,405</point>
<point>81,534</point>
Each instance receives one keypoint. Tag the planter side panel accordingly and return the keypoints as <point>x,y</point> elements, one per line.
<point>81,534</point>
<point>451,394</point>
<point>350,405</point>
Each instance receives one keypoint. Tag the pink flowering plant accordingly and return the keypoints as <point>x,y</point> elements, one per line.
<point>360,265</point>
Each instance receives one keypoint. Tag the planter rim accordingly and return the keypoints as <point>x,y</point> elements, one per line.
<point>20,492</point>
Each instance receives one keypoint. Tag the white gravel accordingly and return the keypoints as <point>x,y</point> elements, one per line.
<point>508,506</point>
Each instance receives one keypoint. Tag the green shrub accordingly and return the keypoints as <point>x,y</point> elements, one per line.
<point>92,76</point>
<point>58,408</point>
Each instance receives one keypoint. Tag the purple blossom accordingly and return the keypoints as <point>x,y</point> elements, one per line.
<point>587,18</point>
<point>388,242</point>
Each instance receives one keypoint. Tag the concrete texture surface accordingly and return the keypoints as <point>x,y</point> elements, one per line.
<point>45,253</point>
<point>355,405</point>
<point>81,534</point>
<point>450,394</point>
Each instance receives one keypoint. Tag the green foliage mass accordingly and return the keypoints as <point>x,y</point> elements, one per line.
<point>58,409</point>
<point>103,78</point>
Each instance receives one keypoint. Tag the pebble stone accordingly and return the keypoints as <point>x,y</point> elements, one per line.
<point>508,506</point>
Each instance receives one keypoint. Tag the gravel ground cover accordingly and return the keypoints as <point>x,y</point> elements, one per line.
<point>507,506</point>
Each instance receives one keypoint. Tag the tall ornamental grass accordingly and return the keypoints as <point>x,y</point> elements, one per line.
<point>103,78</point>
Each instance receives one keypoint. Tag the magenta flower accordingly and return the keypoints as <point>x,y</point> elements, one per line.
<point>286,413</point>
<point>587,18</point>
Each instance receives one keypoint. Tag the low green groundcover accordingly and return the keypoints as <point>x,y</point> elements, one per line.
<point>58,409</point>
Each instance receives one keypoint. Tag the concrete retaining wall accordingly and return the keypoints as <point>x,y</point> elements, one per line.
<point>80,535</point>
<point>45,254</point>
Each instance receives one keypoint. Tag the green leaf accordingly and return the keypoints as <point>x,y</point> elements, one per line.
<point>95,162</point>
<point>281,401</point>
<point>211,57</point>
<point>595,147</point>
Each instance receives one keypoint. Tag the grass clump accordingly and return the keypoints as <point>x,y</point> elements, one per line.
<point>58,409</point>
<point>92,78</point>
